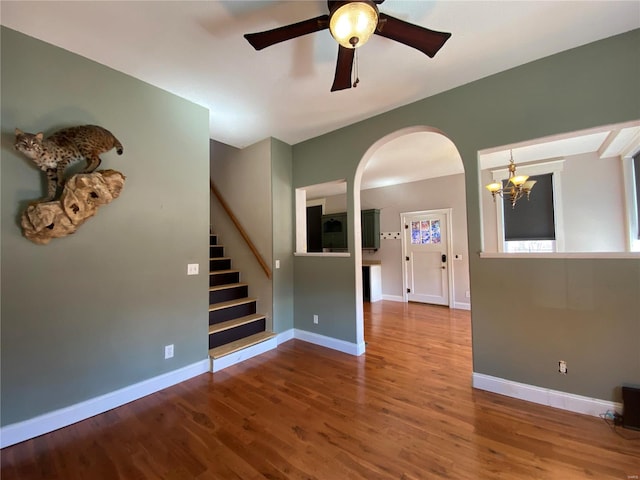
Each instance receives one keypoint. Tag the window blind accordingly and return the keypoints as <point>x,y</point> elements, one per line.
<point>533,219</point>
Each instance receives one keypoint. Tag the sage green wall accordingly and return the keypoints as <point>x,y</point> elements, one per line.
<point>283,234</point>
<point>590,316</point>
<point>91,313</point>
<point>324,286</point>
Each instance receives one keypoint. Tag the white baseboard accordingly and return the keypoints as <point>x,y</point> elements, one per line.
<point>48,422</point>
<point>285,336</point>
<point>399,298</point>
<point>244,354</point>
<point>544,396</point>
<point>330,342</point>
<point>461,305</point>
<point>322,340</point>
<point>393,298</point>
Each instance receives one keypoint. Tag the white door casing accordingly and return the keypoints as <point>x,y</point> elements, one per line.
<point>426,251</point>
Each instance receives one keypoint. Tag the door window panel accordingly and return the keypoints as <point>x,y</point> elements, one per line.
<point>436,237</point>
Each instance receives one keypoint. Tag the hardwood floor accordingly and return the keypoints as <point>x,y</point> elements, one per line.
<point>404,410</point>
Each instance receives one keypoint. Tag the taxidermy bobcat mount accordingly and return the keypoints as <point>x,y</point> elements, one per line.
<point>54,153</point>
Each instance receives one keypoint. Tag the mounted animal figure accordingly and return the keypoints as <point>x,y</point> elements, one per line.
<point>54,153</point>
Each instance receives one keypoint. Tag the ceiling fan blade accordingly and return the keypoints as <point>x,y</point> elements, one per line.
<point>342,79</point>
<point>262,40</point>
<point>420,38</point>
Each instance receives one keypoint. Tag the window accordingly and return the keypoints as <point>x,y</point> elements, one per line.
<point>424,232</point>
<point>534,225</point>
<point>595,180</point>
<point>636,176</point>
<point>531,219</point>
<point>530,225</point>
<point>631,169</point>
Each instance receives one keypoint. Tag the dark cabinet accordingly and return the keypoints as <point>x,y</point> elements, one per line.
<point>334,231</point>
<point>370,229</point>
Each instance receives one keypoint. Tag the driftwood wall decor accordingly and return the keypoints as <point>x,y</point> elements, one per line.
<point>82,195</point>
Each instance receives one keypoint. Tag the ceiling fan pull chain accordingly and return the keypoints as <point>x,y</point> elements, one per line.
<point>357,78</point>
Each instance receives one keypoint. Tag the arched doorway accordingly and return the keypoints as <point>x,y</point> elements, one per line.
<point>412,170</point>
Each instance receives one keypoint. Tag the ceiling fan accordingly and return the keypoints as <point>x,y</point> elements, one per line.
<point>352,23</point>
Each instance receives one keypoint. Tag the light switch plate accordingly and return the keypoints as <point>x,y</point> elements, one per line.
<point>168,351</point>
<point>193,268</point>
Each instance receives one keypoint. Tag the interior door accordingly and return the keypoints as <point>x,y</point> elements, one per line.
<point>426,258</point>
<point>314,228</point>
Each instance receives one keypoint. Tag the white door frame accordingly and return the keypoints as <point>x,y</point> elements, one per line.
<point>441,211</point>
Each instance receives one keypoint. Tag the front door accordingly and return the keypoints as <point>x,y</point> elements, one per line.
<point>426,257</point>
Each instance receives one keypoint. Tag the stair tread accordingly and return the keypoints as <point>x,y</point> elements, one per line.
<point>218,272</point>
<point>232,347</point>
<point>231,303</point>
<point>213,270</point>
<point>236,322</point>
<point>227,285</point>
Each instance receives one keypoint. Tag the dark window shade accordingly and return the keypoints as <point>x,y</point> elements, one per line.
<point>533,219</point>
<point>636,174</point>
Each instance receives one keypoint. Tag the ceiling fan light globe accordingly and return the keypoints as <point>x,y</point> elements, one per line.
<point>352,24</point>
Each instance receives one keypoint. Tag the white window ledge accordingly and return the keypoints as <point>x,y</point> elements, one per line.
<point>322,254</point>
<point>561,255</point>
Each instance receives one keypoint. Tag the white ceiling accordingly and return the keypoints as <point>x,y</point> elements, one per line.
<point>196,49</point>
<point>410,158</point>
<point>607,141</point>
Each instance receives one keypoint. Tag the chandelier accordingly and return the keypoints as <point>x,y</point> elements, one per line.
<point>517,185</point>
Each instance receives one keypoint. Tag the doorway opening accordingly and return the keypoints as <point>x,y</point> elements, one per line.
<point>425,174</point>
<point>314,227</point>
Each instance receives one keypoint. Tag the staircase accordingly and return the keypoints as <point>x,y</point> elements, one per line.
<point>234,325</point>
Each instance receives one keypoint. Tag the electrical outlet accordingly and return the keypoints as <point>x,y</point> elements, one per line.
<point>315,319</point>
<point>193,268</point>
<point>277,263</point>
<point>168,351</point>
<point>467,294</point>
<point>562,367</point>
